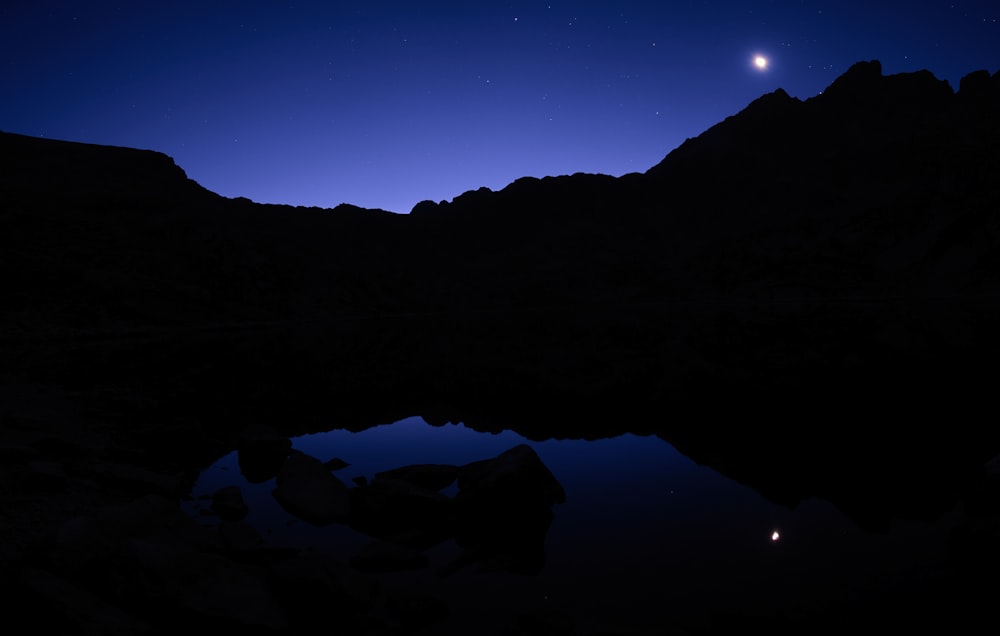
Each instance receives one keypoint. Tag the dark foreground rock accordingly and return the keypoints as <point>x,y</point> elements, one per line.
<point>504,511</point>
<point>307,489</point>
<point>262,452</point>
<point>228,503</point>
<point>117,563</point>
<point>430,476</point>
<point>402,511</point>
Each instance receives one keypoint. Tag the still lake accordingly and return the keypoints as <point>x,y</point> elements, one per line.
<point>647,538</point>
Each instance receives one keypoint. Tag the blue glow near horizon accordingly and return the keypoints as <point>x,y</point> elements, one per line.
<point>413,441</point>
<point>385,104</point>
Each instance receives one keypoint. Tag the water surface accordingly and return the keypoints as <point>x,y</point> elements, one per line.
<point>646,538</point>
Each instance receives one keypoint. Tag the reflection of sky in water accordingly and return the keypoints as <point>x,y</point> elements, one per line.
<point>642,525</point>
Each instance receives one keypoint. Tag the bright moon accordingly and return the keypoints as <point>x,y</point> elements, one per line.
<point>760,62</point>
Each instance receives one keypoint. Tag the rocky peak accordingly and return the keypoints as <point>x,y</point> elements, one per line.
<point>861,108</point>
<point>862,78</point>
<point>45,166</point>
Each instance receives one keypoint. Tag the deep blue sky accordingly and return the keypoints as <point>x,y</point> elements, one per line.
<point>384,104</point>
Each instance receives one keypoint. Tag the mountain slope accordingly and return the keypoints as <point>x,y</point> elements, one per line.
<point>874,186</point>
<point>878,187</point>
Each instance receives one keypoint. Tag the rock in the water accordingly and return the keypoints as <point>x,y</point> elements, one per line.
<point>228,503</point>
<point>261,453</point>
<point>336,464</point>
<point>516,475</point>
<point>310,492</point>
<point>503,511</point>
<point>389,507</point>
<point>431,476</point>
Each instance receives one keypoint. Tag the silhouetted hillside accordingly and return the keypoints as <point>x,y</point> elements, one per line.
<point>105,237</point>
<point>878,186</point>
<point>838,238</point>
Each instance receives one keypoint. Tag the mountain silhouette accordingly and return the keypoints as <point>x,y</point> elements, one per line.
<point>842,238</point>
<point>881,189</point>
<point>880,185</point>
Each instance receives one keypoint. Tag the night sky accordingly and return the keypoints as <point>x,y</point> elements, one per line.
<point>384,104</point>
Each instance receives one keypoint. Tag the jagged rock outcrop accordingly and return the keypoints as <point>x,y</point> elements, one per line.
<point>307,489</point>
<point>41,168</point>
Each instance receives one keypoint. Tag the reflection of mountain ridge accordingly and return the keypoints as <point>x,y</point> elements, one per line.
<point>863,454</point>
<point>871,477</point>
<point>185,402</point>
